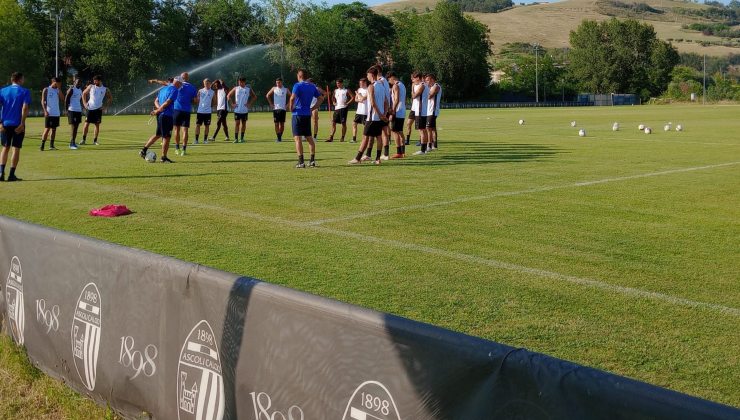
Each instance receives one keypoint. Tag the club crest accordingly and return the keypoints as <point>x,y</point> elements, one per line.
<point>86,326</point>
<point>200,384</point>
<point>371,401</point>
<point>14,300</point>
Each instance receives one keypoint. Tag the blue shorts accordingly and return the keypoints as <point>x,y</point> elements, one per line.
<point>181,118</point>
<point>164,126</point>
<point>301,125</point>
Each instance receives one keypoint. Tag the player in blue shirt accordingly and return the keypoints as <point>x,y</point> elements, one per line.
<point>14,102</point>
<point>182,108</point>
<point>300,105</point>
<point>164,106</point>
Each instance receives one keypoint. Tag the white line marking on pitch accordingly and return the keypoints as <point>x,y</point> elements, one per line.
<point>582,281</point>
<point>511,193</point>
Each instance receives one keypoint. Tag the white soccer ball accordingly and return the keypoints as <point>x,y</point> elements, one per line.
<point>150,157</point>
<point>648,130</point>
<point>615,127</point>
<point>582,133</point>
<point>572,123</point>
<point>521,122</point>
<point>666,127</point>
<point>641,127</point>
<point>679,127</point>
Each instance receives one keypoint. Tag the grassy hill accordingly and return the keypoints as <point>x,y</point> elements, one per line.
<point>550,24</point>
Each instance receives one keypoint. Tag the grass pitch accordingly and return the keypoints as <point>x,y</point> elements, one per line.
<point>618,250</point>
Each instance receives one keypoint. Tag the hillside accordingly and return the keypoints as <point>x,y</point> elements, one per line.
<point>550,24</point>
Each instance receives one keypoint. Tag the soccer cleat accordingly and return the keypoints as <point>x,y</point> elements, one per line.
<point>278,141</point>
<point>407,142</point>
<point>227,140</point>
<point>419,152</point>
<point>165,159</point>
<point>354,162</point>
<point>13,178</point>
<point>73,146</point>
<point>96,143</point>
<point>397,156</point>
<point>353,141</point>
<point>365,158</point>
<point>300,166</point>
<point>331,139</point>
<point>182,152</point>
<point>52,148</point>
<point>384,157</point>
<point>42,148</point>
<point>312,164</point>
<point>377,162</point>
<point>142,153</point>
<point>196,142</point>
<point>83,142</point>
<point>2,178</point>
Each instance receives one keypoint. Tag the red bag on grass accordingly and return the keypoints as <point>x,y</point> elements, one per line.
<point>111,210</point>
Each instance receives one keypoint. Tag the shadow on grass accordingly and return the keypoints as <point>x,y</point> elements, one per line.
<point>476,153</point>
<point>80,178</point>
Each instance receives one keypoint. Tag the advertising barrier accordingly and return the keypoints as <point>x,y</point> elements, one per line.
<point>154,336</point>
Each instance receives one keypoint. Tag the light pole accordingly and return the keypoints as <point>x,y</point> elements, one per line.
<point>536,73</point>
<point>704,87</point>
<point>57,18</point>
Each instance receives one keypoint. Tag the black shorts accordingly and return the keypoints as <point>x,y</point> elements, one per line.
<point>432,121</point>
<point>340,116</point>
<point>222,113</point>
<point>278,116</point>
<point>301,125</point>
<point>241,117</point>
<point>51,122</point>
<point>74,117</point>
<point>94,116</point>
<point>397,125</point>
<point>420,123</point>
<point>360,119</point>
<point>164,125</point>
<point>203,119</point>
<point>412,115</point>
<point>374,128</point>
<point>181,118</point>
<point>9,138</point>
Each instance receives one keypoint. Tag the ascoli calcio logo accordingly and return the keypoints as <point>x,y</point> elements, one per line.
<point>200,384</point>
<point>86,326</point>
<point>14,300</point>
<point>371,401</point>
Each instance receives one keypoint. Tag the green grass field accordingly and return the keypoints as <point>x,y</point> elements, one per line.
<point>619,250</point>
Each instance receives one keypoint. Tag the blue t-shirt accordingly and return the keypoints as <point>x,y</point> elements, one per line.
<point>184,101</point>
<point>305,92</point>
<point>168,92</point>
<point>12,99</point>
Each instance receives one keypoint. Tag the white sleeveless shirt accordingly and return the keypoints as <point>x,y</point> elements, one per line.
<point>52,101</point>
<point>222,104</point>
<point>340,98</point>
<point>280,97</point>
<point>75,100</point>
<point>205,98</point>
<point>97,95</point>
<point>241,96</point>
<point>362,105</point>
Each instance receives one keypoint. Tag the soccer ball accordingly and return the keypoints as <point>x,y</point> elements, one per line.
<point>521,122</point>
<point>582,133</point>
<point>648,130</point>
<point>572,123</point>
<point>641,127</point>
<point>667,127</point>
<point>615,127</point>
<point>679,127</point>
<point>150,157</point>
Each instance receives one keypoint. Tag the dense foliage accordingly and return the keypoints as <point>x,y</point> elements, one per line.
<point>483,6</point>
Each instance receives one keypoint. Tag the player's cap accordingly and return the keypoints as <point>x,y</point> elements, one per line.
<point>179,79</point>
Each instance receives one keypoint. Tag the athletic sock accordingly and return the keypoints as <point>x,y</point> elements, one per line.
<point>144,149</point>
<point>242,137</point>
<point>408,138</point>
<point>316,135</point>
<point>300,159</point>
<point>377,155</point>
<point>280,136</point>
<point>177,147</point>
<point>51,144</point>
<point>403,149</point>
<point>354,138</point>
<point>95,140</point>
<point>435,144</point>
<point>386,149</point>
<point>12,172</point>
<point>369,152</point>
<point>423,147</point>
<point>43,144</point>
<point>359,156</point>
<point>184,147</point>
<point>313,158</point>
<point>398,150</point>
<point>2,170</point>
<point>84,138</point>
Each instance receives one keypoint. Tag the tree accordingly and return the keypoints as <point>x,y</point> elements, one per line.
<point>21,45</point>
<point>617,56</point>
<point>278,15</point>
<point>224,24</point>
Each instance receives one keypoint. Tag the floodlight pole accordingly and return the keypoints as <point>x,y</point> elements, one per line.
<point>536,73</point>
<point>704,88</point>
<point>56,47</point>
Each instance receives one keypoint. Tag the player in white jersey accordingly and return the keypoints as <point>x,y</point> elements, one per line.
<point>206,100</point>
<point>398,113</point>
<point>222,108</point>
<point>50,100</point>
<point>361,113</point>
<point>96,98</point>
<point>376,117</point>
<point>341,100</point>
<point>386,129</point>
<point>278,99</point>
<point>419,98</point>
<point>433,104</point>
<point>244,97</point>
<point>73,103</point>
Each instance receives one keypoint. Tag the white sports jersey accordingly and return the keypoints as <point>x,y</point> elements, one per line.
<point>387,88</point>
<point>97,95</point>
<point>279,97</point>
<point>222,103</point>
<point>379,98</point>
<point>241,96</point>
<point>401,111</point>
<point>362,105</point>
<point>419,104</point>
<point>434,101</point>
<point>52,101</point>
<point>75,100</point>
<point>313,102</point>
<point>340,98</point>
<point>205,99</point>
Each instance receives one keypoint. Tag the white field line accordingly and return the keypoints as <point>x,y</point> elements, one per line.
<point>471,259</point>
<point>512,193</point>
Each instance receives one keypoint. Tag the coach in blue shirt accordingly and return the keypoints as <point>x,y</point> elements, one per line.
<point>14,102</point>
<point>300,106</point>
<point>163,110</point>
<point>183,107</point>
